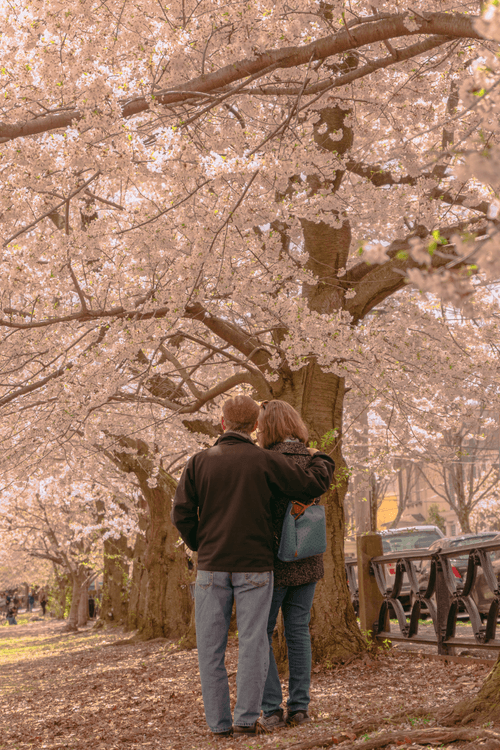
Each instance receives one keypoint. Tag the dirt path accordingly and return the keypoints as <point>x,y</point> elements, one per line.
<point>79,691</point>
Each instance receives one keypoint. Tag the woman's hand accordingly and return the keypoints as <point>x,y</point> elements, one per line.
<point>312,451</point>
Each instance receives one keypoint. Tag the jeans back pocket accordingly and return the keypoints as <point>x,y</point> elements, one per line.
<point>204,579</point>
<point>258,579</point>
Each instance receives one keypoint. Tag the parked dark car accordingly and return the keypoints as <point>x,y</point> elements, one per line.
<point>394,540</point>
<point>408,538</point>
<point>481,593</point>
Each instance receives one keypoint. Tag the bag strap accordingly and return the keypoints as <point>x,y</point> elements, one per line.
<point>299,508</point>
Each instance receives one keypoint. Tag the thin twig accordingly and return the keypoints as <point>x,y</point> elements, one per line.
<point>51,210</point>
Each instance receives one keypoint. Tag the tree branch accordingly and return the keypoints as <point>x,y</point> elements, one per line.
<point>384,62</point>
<point>453,25</point>
<point>217,390</point>
<point>383,178</point>
<point>374,283</point>
<point>232,334</point>
<point>53,375</point>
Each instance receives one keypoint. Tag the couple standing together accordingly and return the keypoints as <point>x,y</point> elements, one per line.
<point>229,506</point>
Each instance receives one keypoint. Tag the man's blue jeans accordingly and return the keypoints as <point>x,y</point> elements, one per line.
<point>214,594</point>
<point>295,603</point>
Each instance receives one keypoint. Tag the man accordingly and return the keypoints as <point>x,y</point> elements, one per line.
<point>222,508</point>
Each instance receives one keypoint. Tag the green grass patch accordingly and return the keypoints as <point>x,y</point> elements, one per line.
<point>22,645</point>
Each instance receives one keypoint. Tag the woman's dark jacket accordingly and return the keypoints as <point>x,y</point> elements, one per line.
<point>301,571</point>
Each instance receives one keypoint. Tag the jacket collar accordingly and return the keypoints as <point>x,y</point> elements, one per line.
<point>294,447</point>
<point>234,437</point>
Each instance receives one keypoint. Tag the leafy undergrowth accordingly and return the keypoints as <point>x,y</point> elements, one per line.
<point>75,691</point>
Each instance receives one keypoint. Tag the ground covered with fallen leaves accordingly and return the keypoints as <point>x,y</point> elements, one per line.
<point>92,690</point>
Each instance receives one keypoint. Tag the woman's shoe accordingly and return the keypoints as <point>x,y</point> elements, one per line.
<point>296,718</point>
<point>274,720</point>
<point>257,728</point>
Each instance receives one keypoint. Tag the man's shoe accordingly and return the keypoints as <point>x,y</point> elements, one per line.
<point>274,720</point>
<point>257,728</point>
<point>220,735</point>
<point>296,718</point>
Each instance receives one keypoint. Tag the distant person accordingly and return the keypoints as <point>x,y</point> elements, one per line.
<point>91,607</point>
<point>31,601</point>
<point>42,598</point>
<point>223,509</point>
<point>11,614</point>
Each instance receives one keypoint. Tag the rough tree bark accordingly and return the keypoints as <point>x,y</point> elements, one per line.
<point>83,604</point>
<point>167,603</point>
<point>481,708</point>
<point>78,579</point>
<point>116,584</point>
<point>138,584</point>
<point>59,592</point>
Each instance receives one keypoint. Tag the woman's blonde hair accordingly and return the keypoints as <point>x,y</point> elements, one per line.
<point>277,421</point>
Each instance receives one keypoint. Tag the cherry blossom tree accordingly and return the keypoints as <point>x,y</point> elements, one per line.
<point>59,520</point>
<point>201,197</point>
<point>433,413</point>
<point>18,567</point>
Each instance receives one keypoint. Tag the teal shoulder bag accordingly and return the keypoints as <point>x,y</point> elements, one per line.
<point>304,532</point>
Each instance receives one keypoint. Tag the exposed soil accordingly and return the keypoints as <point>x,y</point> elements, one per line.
<point>85,690</point>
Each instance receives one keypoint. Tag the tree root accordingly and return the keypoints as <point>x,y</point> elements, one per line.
<point>433,736</point>
<point>321,740</point>
<point>70,629</point>
<point>122,642</point>
<point>372,723</point>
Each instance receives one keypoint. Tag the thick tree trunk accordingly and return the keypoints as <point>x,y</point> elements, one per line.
<point>483,707</point>
<point>116,582</point>
<point>318,397</point>
<point>138,585</point>
<point>166,610</point>
<point>83,604</point>
<point>59,594</point>
<point>335,633</point>
<point>168,598</point>
<point>78,579</point>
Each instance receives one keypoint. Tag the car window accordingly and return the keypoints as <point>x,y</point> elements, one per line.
<point>470,540</point>
<point>411,540</point>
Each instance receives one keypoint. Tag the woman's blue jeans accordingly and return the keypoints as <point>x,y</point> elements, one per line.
<point>214,594</point>
<point>295,603</point>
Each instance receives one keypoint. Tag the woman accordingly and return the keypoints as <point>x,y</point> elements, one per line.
<point>281,429</point>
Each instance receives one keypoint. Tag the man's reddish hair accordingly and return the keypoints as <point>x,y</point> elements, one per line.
<point>240,413</point>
